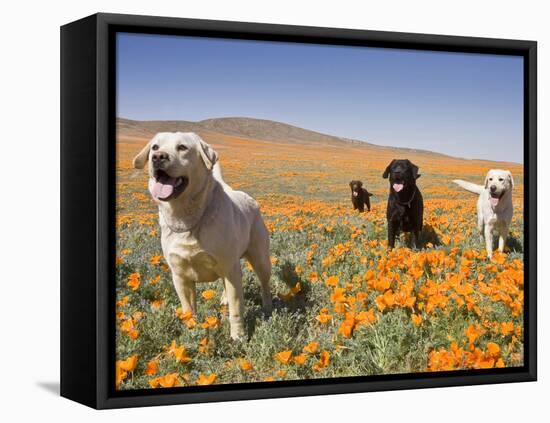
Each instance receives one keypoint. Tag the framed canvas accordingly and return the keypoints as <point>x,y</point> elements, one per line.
<point>258,211</point>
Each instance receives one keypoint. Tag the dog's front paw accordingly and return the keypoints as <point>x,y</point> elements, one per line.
<point>268,311</point>
<point>267,305</point>
<point>236,330</point>
<point>223,299</point>
<point>238,336</point>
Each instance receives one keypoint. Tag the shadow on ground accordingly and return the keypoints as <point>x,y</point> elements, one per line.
<point>283,300</point>
<point>428,235</point>
<point>514,244</point>
<point>51,387</point>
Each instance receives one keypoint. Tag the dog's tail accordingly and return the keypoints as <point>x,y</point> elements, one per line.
<point>468,186</point>
<point>370,194</point>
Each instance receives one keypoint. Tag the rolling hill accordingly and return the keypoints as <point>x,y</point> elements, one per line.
<point>253,129</point>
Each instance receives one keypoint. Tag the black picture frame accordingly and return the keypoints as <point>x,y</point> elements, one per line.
<point>87,208</point>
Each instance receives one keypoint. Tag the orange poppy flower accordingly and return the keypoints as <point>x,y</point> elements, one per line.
<point>493,349</point>
<point>323,362</point>
<point>152,368</point>
<point>245,365</point>
<point>179,353</point>
<point>283,356</point>
<point>208,294</point>
<point>134,281</point>
<point>311,348</point>
<point>210,322</point>
<point>332,281</point>
<point>129,364</point>
<point>417,319</point>
<point>155,260</point>
<point>120,376</point>
<point>206,380</point>
<point>299,359</point>
<point>156,304</point>
<point>472,332</point>
<point>323,316</point>
<point>167,381</point>
<point>506,328</point>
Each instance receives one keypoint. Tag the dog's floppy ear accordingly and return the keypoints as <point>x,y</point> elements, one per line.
<point>414,168</point>
<point>511,178</point>
<point>208,154</point>
<point>142,157</point>
<point>351,184</point>
<point>387,171</point>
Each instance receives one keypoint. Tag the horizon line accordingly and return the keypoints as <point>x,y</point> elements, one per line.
<point>325,134</point>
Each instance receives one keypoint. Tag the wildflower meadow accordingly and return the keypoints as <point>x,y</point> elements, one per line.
<point>343,304</point>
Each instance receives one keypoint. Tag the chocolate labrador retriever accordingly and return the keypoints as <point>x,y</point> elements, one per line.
<point>359,196</point>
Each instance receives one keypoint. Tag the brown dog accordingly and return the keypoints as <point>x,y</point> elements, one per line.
<point>359,196</point>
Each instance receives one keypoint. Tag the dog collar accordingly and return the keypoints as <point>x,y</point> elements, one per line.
<point>407,203</point>
<point>211,208</point>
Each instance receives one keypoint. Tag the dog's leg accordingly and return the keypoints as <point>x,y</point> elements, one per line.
<point>367,202</point>
<point>262,268</point>
<point>235,299</point>
<point>259,257</point>
<point>186,293</point>
<point>480,227</point>
<point>503,235</point>
<point>489,240</point>
<point>415,238</point>
<point>223,299</point>
<point>480,219</point>
<point>391,235</point>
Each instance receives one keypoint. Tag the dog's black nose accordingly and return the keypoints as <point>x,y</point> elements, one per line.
<point>159,157</point>
<point>493,188</point>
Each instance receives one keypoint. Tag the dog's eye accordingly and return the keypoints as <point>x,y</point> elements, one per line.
<point>490,179</point>
<point>155,147</point>
<point>182,147</point>
<point>501,179</point>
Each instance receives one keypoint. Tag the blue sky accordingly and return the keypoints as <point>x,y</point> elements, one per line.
<point>465,105</point>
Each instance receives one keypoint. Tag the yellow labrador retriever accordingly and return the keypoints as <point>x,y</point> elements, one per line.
<point>206,227</point>
<point>494,206</point>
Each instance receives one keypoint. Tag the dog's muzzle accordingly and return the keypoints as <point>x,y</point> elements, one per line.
<point>495,196</point>
<point>159,159</point>
<point>167,187</point>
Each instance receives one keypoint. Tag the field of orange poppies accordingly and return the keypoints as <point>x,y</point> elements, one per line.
<point>343,304</point>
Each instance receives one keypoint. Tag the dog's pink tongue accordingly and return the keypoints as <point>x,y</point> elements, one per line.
<point>164,187</point>
<point>493,201</point>
<point>397,187</point>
